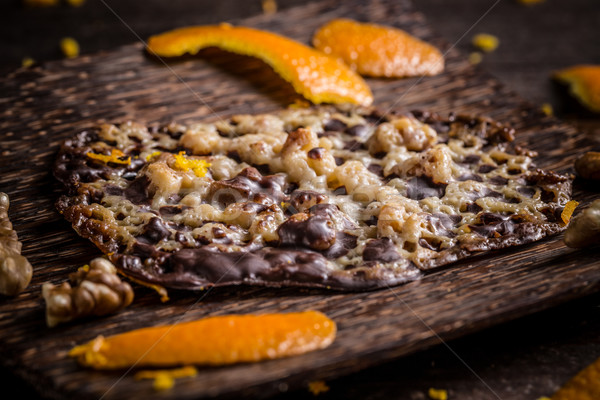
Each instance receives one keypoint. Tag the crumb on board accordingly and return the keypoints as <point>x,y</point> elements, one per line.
<point>437,394</point>
<point>485,42</point>
<point>475,57</point>
<point>164,379</point>
<point>69,47</point>
<point>27,62</point>
<point>547,109</point>
<point>317,387</point>
<point>269,6</point>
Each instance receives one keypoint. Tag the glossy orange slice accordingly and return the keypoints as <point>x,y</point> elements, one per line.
<point>213,341</point>
<point>583,386</point>
<point>377,50</point>
<point>584,83</point>
<point>317,76</point>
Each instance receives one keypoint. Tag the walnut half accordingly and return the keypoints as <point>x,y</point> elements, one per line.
<point>15,270</point>
<point>588,165</point>
<point>98,291</point>
<point>584,229</point>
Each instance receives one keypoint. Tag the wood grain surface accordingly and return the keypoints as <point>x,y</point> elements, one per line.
<point>42,107</point>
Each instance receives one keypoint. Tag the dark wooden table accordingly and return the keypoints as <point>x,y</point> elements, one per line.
<point>524,359</point>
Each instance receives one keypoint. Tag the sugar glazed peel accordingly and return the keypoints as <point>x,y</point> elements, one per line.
<point>211,341</point>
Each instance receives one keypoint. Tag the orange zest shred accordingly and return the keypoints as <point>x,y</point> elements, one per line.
<point>475,57</point>
<point>27,62</point>
<point>583,386</point>
<point>485,42</point>
<point>116,157</point>
<point>317,76</point>
<point>69,47</point>
<point>547,109</point>
<point>584,84</point>
<point>164,379</point>
<point>269,6</point>
<point>182,163</point>
<point>211,341</point>
<point>377,50</point>
<point>437,394</point>
<point>317,387</point>
<point>152,155</point>
<point>567,212</point>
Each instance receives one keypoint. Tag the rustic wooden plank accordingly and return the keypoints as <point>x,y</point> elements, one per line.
<point>43,106</point>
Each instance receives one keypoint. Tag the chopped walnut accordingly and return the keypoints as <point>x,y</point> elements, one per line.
<point>588,165</point>
<point>584,229</point>
<point>407,132</point>
<point>97,290</point>
<point>15,270</point>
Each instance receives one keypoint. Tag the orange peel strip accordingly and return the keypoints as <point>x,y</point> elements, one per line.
<point>161,290</point>
<point>316,76</point>
<point>211,341</point>
<point>377,50</point>
<point>567,212</point>
<point>115,157</point>
<point>584,84</point>
<point>583,386</point>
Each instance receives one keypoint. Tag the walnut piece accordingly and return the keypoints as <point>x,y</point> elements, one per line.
<point>97,290</point>
<point>584,229</point>
<point>588,165</point>
<point>15,270</point>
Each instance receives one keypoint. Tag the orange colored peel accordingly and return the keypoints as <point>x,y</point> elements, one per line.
<point>584,84</point>
<point>211,341</point>
<point>116,157</point>
<point>316,76</point>
<point>377,50</point>
<point>567,212</point>
<point>583,386</point>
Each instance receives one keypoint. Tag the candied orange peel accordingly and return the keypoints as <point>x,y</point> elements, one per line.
<point>377,50</point>
<point>116,157</point>
<point>211,341</point>
<point>583,386</point>
<point>584,84</point>
<point>567,212</point>
<point>317,76</point>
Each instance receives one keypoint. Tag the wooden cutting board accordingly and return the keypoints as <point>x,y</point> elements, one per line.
<point>42,106</point>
